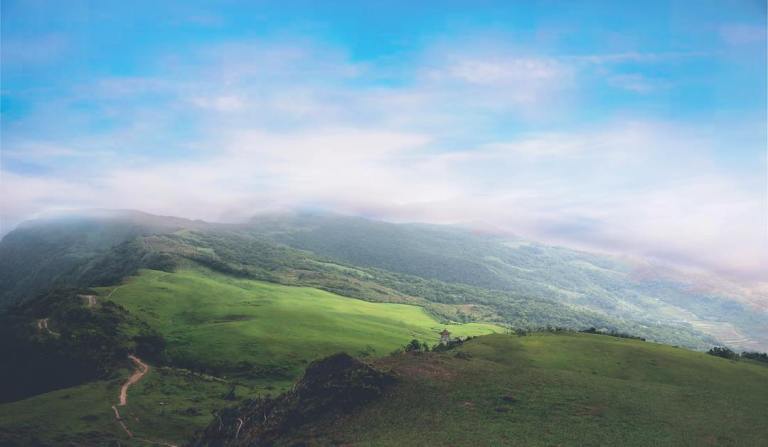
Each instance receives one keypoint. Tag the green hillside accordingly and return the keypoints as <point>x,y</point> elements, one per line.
<point>268,332</point>
<point>220,332</point>
<point>534,285</point>
<point>168,405</point>
<point>60,250</point>
<point>228,312</point>
<point>606,285</point>
<point>554,389</point>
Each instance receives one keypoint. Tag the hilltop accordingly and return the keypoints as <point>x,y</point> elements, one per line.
<point>538,390</point>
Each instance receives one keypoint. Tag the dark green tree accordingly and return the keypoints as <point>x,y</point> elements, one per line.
<point>722,351</point>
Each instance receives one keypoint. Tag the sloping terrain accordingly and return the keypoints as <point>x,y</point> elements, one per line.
<point>168,404</point>
<point>337,384</point>
<point>265,332</point>
<point>524,286</point>
<point>610,286</point>
<point>61,331</point>
<point>221,312</point>
<point>221,335</point>
<point>61,249</point>
<point>544,390</point>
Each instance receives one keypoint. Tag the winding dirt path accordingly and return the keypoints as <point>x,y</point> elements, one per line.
<point>141,369</point>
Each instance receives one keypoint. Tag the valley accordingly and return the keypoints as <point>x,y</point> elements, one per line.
<point>266,333</point>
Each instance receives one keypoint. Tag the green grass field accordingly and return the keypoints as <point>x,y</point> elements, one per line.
<point>537,390</point>
<point>167,405</point>
<point>560,389</point>
<point>258,335</point>
<point>266,332</point>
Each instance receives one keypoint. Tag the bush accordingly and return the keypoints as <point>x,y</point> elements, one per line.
<point>610,333</point>
<point>416,346</point>
<point>722,351</point>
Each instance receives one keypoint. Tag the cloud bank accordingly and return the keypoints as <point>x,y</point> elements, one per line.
<point>459,134</point>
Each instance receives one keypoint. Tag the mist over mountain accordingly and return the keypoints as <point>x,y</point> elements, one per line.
<point>485,270</point>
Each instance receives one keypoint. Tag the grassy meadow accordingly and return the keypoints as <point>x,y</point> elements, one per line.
<point>256,336</point>
<point>536,390</point>
<point>265,332</point>
<point>167,405</point>
<point>560,389</point>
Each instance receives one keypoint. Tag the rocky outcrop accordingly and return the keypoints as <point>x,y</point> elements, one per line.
<point>333,385</point>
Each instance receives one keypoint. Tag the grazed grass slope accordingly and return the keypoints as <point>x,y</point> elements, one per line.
<point>267,332</point>
<point>260,335</point>
<point>167,405</point>
<point>569,390</point>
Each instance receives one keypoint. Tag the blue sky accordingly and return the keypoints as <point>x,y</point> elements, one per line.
<point>631,127</point>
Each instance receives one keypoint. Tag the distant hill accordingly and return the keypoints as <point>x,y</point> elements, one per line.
<point>60,249</point>
<point>538,390</point>
<point>459,274</point>
<point>599,283</point>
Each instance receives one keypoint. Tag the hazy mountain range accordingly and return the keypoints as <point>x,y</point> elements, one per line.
<point>459,274</point>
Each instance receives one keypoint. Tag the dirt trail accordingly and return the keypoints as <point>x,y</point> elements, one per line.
<point>141,369</point>
<point>120,421</point>
<point>42,326</point>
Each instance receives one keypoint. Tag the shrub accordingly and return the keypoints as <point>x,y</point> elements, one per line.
<point>610,333</point>
<point>416,346</point>
<point>722,351</point>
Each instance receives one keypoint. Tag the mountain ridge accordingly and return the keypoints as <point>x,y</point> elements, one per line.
<point>299,241</point>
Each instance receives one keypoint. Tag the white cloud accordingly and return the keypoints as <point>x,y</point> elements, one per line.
<point>284,126</point>
<point>633,56</point>
<point>702,218</point>
<point>495,71</point>
<point>505,80</point>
